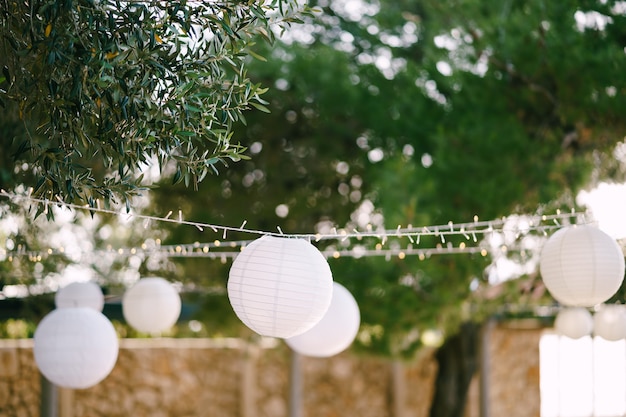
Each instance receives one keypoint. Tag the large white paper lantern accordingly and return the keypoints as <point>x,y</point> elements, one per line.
<point>581,266</point>
<point>573,322</point>
<point>609,322</point>
<point>75,347</point>
<point>335,332</point>
<point>280,287</point>
<point>152,305</point>
<point>80,294</point>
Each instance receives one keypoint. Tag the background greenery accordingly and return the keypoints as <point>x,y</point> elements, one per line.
<point>380,112</point>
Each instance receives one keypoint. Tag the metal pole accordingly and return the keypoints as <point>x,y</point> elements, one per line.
<point>399,388</point>
<point>249,381</point>
<point>485,368</point>
<point>49,398</point>
<point>295,386</point>
<point>66,402</point>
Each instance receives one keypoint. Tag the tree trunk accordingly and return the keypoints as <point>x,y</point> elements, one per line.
<point>458,361</point>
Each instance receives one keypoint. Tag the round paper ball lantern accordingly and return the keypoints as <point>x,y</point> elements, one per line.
<point>335,331</point>
<point>152,305</point>
<point>280,287</point>
<point>609,322</point>
<point>573,322</point>
<point>75,347</point>
<point>80,294</point>
<point>581,266</point>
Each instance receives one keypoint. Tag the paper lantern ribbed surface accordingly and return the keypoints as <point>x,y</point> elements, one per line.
<point>335,332</point>
<point>581,266</point>
<point>152,305</point>
<point>573,322</point>
<point>280,287</point>
<point>80,294</point>
<point>609,322</point>
<point>75,347</point>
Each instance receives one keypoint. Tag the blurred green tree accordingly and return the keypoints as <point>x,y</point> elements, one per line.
<point>424,113</point>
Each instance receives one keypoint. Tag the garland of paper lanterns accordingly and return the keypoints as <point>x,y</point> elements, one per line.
<point>573,322</point>
<point>80,294</point>
<point>608,322</point>
<point>152,305</point>
<point>283,287</point>
<point>582,267</point>
<point>280,287</point>
<point>335,332</point>
<point>76,346</point>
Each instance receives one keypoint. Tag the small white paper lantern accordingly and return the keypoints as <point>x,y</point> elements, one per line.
<point>573,322</point>
<point>280,287</point>
<point>609,322</point>
<point>80,294</point>
<point>152,305</point>
<point>335,332</point>
<point>581,266</point>
<point>75,347</point>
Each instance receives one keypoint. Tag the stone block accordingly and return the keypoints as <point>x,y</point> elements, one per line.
<point>9,363</point>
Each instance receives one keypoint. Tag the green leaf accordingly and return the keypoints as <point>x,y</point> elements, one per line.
<point>185,133</point>
<point>257,56</point>
<point>259,106</point>
<point>191,108</point>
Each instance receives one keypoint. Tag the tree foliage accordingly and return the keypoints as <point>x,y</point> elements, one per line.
<point>103,88</point>
<point>395,112</point>
<point>440,111</point>
<point>422,113</point>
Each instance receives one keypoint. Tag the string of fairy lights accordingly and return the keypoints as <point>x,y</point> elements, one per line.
<point>402,241</point>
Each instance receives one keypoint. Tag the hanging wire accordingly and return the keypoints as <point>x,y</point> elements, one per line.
<point>469,231</point>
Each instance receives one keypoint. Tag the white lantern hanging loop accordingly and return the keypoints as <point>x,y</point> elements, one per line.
<point>75,347</point>
<point>581,266</point>
<point>610,322</point>
<point>280,287</point>
<point>335,332</point>
<point>573,322</point>
<point>152,305</point>
<point>80,294</point>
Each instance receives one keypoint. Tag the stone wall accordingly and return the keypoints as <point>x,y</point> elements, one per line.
<point>514,386</point>
<point>167,377</point>
<point>19,379</point>
<point>219,378</point>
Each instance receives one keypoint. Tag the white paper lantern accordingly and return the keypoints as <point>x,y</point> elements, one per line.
<point>75,347</point>
<point>581,266</point>
<point>152,305</point>
<point>80,294</point>
<point>573,322</point>
<point>280,287</point>
<point>335,332</point>
<point>609,322</point>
